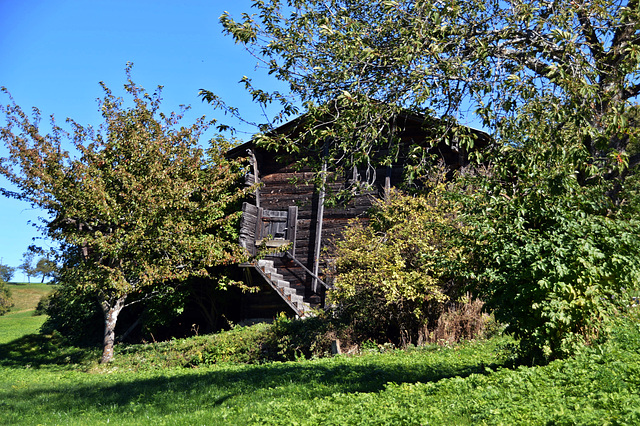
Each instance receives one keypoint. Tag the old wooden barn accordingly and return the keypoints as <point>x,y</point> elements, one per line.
<point>290,212</point>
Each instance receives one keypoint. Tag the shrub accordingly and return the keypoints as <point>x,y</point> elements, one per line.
<point>75,314</point>
<point>395,275</point>
<point>5,298</point>
<point>551,257</point>
<point>238,345</point>
<point>290,339</point>
<point>43,305</point>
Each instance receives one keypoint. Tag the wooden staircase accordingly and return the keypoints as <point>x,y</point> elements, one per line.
<point>287,292</point>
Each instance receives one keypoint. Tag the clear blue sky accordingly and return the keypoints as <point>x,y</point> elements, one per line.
<point>54,53</point>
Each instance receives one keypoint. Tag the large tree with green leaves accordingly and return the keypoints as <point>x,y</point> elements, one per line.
<point>577,61</point>
<point>555,84</point>
<point>135,203</point>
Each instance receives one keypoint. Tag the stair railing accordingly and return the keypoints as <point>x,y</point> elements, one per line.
<point>307,270</point>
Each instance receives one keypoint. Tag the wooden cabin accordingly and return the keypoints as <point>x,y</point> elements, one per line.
<point>289,215</point>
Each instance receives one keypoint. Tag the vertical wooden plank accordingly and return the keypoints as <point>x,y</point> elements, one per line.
<point>259,225</point>
<point>292,223</point>
<point>319,220</point>
<point>248,227</point>
<point>256,176</point>
<point>387,183</point>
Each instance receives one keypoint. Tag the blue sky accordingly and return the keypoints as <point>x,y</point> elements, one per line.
<point>53,54</point>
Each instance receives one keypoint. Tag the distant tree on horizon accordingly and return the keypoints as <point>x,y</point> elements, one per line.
<point>27,265</point>
<point>6,272</point>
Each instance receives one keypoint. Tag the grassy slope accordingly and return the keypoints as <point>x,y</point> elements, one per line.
<point>460,385</point>
<point>20,319</point>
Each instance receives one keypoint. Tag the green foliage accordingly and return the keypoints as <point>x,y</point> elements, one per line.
<point>551,255</point>
<point>238,345</point>
<point>6,273</point>
<point>46,268</point>
<point>141,203</point>
<point>394,275</point>
<point>291,339</point>
<point>73,312</point>
<point>5,298</point>
<point>43,305</point>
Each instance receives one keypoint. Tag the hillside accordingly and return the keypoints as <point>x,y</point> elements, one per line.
<point>44,382</point>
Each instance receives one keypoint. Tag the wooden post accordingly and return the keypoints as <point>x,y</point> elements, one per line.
<point>319,219</point>
<point>256,179</point>
<point>292,224</point>
<point>387,184</point>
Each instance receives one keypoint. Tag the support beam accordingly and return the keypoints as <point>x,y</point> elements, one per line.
<point>256,179</point>
<point>319,220</point>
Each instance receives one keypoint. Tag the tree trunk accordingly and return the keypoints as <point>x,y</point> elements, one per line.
<point>111,312</point>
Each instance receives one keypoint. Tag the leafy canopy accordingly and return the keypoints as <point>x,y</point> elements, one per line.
<point>466,61</point>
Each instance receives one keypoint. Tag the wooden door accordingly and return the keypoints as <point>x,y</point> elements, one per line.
<point>272,228</point>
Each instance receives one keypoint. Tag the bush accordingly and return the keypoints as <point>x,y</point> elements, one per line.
<point>238,345</point>
<point>290,339</point>
<point>285,339</point>
<point>75,314</point>
<point>552,256</point>
<point>5,298</point>
<point>43,305</point>
<point>395,276</point>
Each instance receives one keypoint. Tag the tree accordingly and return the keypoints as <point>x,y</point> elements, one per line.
<point>46,268</point>
<point>27,265</point>
<point>6,272</point>
<point>554,83</point>
<point>458,60</point>
<point>139,205</point>
<point>552,258</point>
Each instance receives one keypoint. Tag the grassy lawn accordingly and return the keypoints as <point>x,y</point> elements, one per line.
<point>20,320</point>
<point>25,296</point>
<point>460,385</point>
<point>45,382</point>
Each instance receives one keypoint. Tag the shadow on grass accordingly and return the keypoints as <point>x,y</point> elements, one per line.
<point>233,385</point>
<point>36,350</point>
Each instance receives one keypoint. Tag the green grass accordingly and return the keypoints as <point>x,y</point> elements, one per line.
<point>26,296</point>
<point>21,320</point>
<point>44,382</point>
<point>220,394</point>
